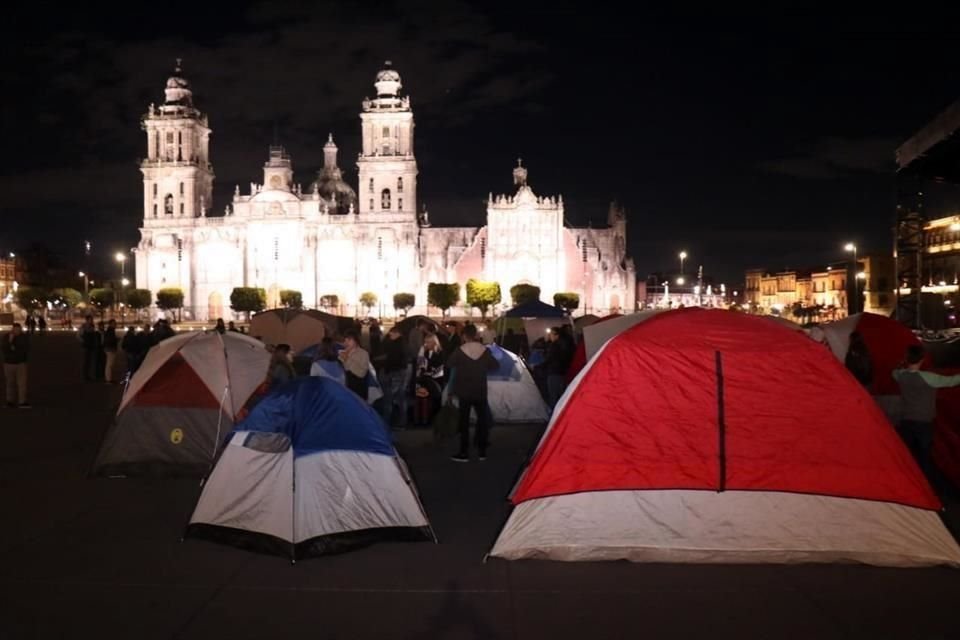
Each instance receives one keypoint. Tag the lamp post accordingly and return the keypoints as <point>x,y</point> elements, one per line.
<point>123,299</point>
<point>86,283</point>
<point>852,248</point>
<point>122,259</point>
<point>682,256</point>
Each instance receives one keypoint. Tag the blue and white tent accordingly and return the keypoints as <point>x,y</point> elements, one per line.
<point>310,471</point>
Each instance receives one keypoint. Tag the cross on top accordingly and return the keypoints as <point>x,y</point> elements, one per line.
<point>519,162</point>
<point>179,62</point>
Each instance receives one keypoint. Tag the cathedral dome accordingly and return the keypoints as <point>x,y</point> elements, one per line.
<point>330,184</point>
<point>388,81</point>
<point>178,89</point>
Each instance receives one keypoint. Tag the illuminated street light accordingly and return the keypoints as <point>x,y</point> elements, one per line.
<point>680,281</point>
<point>124,282</point>
<point>122,259</point>
<point>683,256</point>
<point>861,276</point>
<point>852,248</point>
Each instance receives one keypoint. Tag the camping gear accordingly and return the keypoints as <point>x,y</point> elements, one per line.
<point>683,440</point>
<point>181,403</point>
<point>310,471</point>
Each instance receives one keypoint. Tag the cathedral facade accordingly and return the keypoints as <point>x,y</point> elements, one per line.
<point>332,239</point>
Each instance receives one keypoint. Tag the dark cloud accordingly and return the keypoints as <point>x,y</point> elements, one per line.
<point>835,157</point>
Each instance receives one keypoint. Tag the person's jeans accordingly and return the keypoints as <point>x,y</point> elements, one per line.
<point>918,436</point>
<point>394,393</point>
<point>483,425</point>
<point>89,364</point>
<point>16,376</point>
<point>555,386</point>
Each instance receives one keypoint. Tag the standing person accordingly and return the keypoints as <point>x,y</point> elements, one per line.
<point>858,360</point>
<point>918,391</point>
<point>88,338</point>
<point>231,327</point>
<point>131,348</point>
<point>110,344</point>
<point>376,338</point>
<point>356,363</point>
<point>556,364</point>
<point>429,380</point>
<point>281,366</point>
<point>15,348</point>
<point>220,328</point>
<point>394,373</point>
<point>469,366</point>
<point>101,355</point>
<point>42,323</point>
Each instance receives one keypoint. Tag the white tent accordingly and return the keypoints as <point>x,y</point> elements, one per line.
<point>595,335</point>
<point>311,471</point>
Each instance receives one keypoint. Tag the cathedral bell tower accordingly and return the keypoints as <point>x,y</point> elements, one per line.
<point>177,174</point>
<point>387,166</point>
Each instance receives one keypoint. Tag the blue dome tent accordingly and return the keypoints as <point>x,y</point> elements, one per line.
<point>315,435</point>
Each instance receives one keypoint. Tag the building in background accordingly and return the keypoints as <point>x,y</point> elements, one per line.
<point>824,294</point>
<point>337,239</point>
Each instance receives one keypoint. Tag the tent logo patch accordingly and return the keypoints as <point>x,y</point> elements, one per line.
<point>176,436</point>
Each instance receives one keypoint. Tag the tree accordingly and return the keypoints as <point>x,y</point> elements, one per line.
<point>330,301</point>
<point>404,302</point>
<point>291,299</point>
<point>443,295</point>
<point>102,299</point>
<point>524,293</point>
<point>368,299</point>
<point>482,295</point>
<point>65,298</point>
<point>170,298</point>
<point>568,300</point>
<point>249,299</point>
<point>138,299</point>
<point>31,298</point>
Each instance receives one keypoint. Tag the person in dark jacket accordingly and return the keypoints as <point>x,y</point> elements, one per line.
<point>469,366</point>
<point>15,348</point>
<point>393,361</point>
<point>858,360</point>
<point>557,363</point>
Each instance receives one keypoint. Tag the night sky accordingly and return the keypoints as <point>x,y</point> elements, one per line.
<point>745,139</point>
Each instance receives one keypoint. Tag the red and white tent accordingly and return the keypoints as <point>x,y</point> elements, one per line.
<point>886,339</point>
<point>181,403</point>
<point>689,439</point>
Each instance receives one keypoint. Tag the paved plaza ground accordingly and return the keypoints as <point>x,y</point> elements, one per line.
<point>85,558</point>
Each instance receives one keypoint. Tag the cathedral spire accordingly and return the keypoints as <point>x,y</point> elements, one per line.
<point>520,174</point>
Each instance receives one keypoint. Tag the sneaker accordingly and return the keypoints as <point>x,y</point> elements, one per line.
<point>25,405</point>
<point>460,457</point>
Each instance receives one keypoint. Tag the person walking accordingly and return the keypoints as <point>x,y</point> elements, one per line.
<point>15,349</point>
<point>918,392</point>
<point>468,367</point>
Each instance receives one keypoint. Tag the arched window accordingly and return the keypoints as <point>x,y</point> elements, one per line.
<point>371,186</point>
<point>168,204</point>
<point>181,188</point>
<point>181,208</point>
<point>385,199</point>
<point>399,185</point>
<point>154,210</point>
<point>399,204</point>
<point>154,189</point>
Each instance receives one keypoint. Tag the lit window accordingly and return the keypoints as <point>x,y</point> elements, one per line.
<point>385,199</point>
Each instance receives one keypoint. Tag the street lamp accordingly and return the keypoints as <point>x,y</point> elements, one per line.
<point>86,283</point>
<point>683,256</point>
<point>852,248</point>
<point>122,259</point>
<point>680,281</point>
